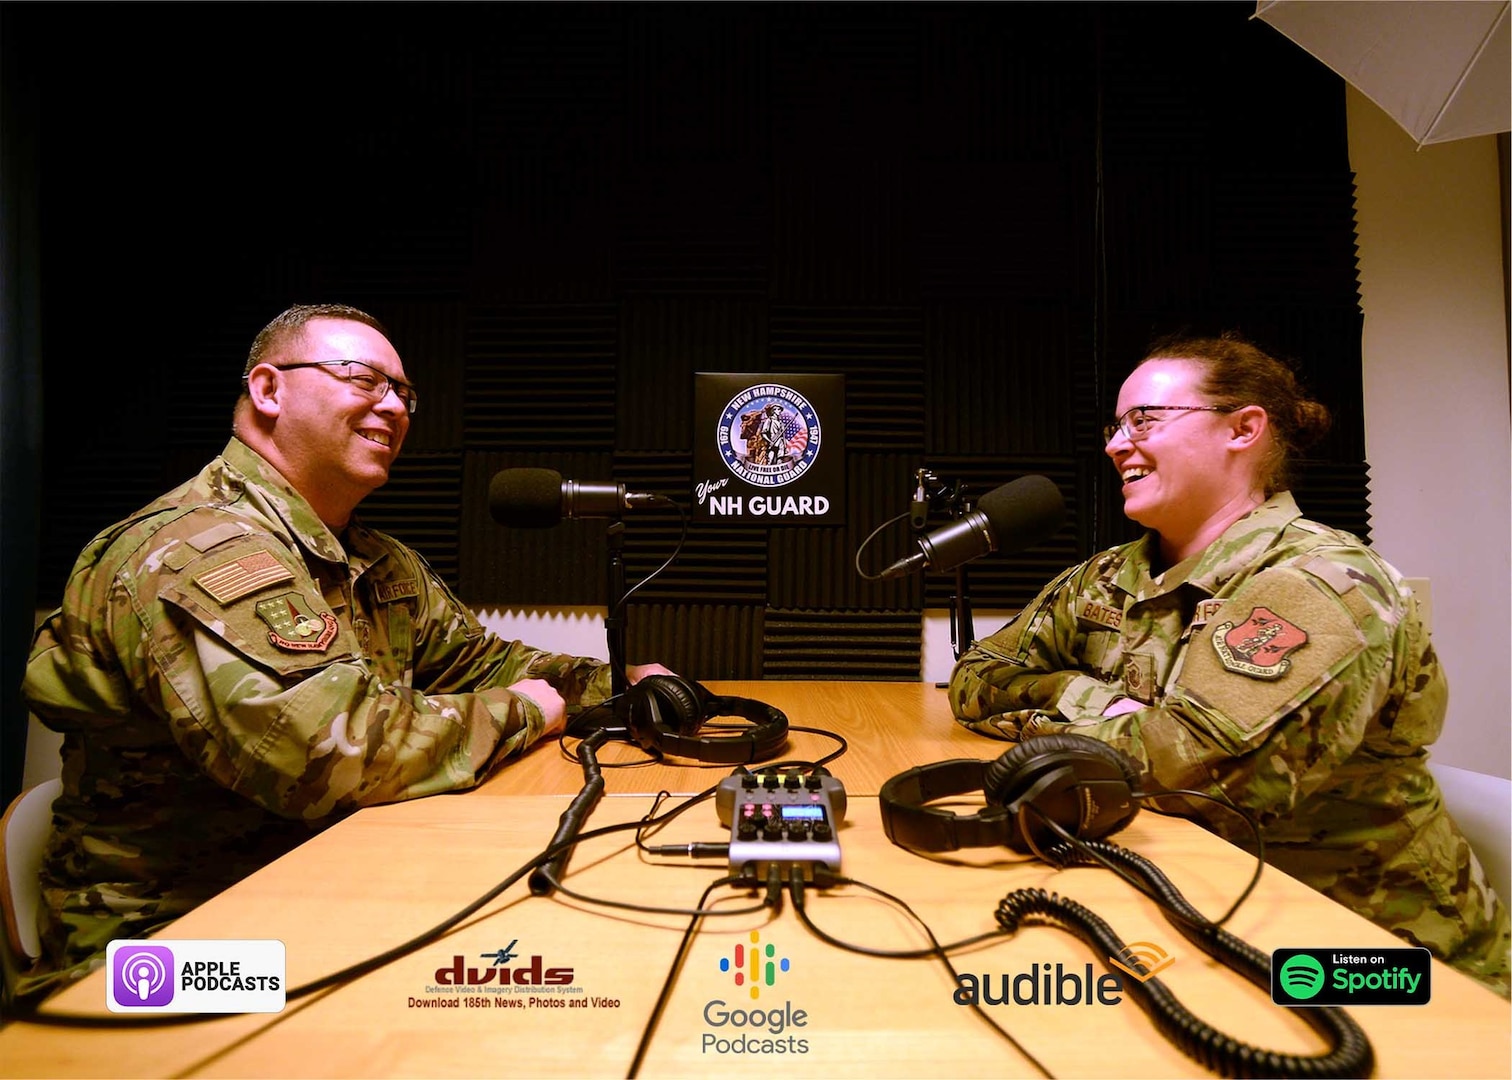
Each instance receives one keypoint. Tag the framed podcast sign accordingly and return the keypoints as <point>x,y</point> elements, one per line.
<point>769,448</point>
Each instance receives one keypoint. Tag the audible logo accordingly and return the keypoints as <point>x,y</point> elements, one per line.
<point>1351,977</point>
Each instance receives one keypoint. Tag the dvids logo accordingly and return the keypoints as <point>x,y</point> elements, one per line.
<point>500,957</point>
<point>755,965</point>
<point>534,973</point>
<point>143,976</point>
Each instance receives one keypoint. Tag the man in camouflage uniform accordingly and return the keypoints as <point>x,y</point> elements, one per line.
<point>241,662</point>
<point>1283,665</point>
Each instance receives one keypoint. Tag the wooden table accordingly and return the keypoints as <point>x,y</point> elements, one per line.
<point>387,873</point>
<point>887,727</point>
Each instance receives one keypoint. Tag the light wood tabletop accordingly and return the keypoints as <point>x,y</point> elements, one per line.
<point>388,873</point>
<point>887,727</point>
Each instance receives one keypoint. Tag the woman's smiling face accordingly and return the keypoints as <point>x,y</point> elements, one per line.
<point>1174,475</point>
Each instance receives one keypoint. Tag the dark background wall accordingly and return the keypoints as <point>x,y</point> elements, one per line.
<point>979,214</point>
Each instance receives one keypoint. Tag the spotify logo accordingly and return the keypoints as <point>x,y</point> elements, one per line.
<point>1371,976</point>
<point>1301,977</point>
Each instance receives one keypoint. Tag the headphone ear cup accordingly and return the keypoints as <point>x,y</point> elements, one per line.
<point>682,710</point>
<point>665,714</point>
<point>1005,778</point>
<point>998,778</point>
<point>1049,770</point>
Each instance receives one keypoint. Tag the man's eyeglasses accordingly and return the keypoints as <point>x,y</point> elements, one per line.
<point>365,377</point>
<point>1137,422</point>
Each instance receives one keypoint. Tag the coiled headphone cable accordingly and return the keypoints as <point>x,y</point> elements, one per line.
<point>1349,1054</point>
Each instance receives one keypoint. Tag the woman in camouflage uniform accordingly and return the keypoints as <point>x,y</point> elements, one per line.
<point>1240,648</point>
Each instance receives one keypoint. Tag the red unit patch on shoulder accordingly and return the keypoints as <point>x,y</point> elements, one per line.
<point>1259,646</point>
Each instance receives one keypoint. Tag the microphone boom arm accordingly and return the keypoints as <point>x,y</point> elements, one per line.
<point>614,619</point>
<point>962,632</point>
<point>930,493</point>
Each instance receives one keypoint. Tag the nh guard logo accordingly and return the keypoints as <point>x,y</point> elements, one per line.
<point>1307,977</point>
<point>756,965</point>
<point>768,435</point>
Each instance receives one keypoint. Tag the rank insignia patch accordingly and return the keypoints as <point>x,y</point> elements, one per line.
<point>1260,645</point>
<point>1139,678</point>
<point>292,627</point>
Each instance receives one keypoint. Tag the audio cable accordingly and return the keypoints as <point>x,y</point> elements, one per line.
<point>823,879</point>
<point>1349,1052</point>
<point>772,900</point>
<point>614,618</point>
<point>544,878</point>
<point>361,967</point>
<point>1054,856</point>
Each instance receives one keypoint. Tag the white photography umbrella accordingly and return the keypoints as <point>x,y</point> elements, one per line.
<point>1440,68</point>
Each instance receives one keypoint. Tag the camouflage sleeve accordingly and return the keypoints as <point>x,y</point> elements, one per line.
<point>266,690</point>
<point>456,653</point>
<point>1019,674</point>
<point>1277,691</point>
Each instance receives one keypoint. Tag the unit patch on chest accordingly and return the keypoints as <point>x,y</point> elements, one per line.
<point>294,626</point>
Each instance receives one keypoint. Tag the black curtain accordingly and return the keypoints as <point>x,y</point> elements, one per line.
<point>20,390</point>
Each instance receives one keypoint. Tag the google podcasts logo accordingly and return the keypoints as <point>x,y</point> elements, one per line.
<point>755,965</point>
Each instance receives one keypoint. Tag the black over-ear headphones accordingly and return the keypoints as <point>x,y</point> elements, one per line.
<point>663,714</point>
<point>1082,784</point>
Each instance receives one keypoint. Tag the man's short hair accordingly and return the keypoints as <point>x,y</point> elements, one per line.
<point>290,324</point>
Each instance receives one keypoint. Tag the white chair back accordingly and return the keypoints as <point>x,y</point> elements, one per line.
<point>1481,805</point>
<point>25,829</point>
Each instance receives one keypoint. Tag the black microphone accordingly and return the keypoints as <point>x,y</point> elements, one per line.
<point>1015,516</point>
<point>540,498</point>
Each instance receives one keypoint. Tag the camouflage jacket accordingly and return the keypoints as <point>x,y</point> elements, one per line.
<point>1285,666</point>
<point>229,676</point>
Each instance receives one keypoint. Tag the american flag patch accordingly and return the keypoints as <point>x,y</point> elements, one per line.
<point>235,579</point>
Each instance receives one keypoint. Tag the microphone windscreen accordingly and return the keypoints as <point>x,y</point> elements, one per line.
<point>526,498</point>
<point>1024,513</point>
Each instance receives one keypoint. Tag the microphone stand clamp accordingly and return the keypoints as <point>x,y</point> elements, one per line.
<point>933,493</point>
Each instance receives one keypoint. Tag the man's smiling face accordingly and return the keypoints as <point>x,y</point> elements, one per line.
<point>337,439</point>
